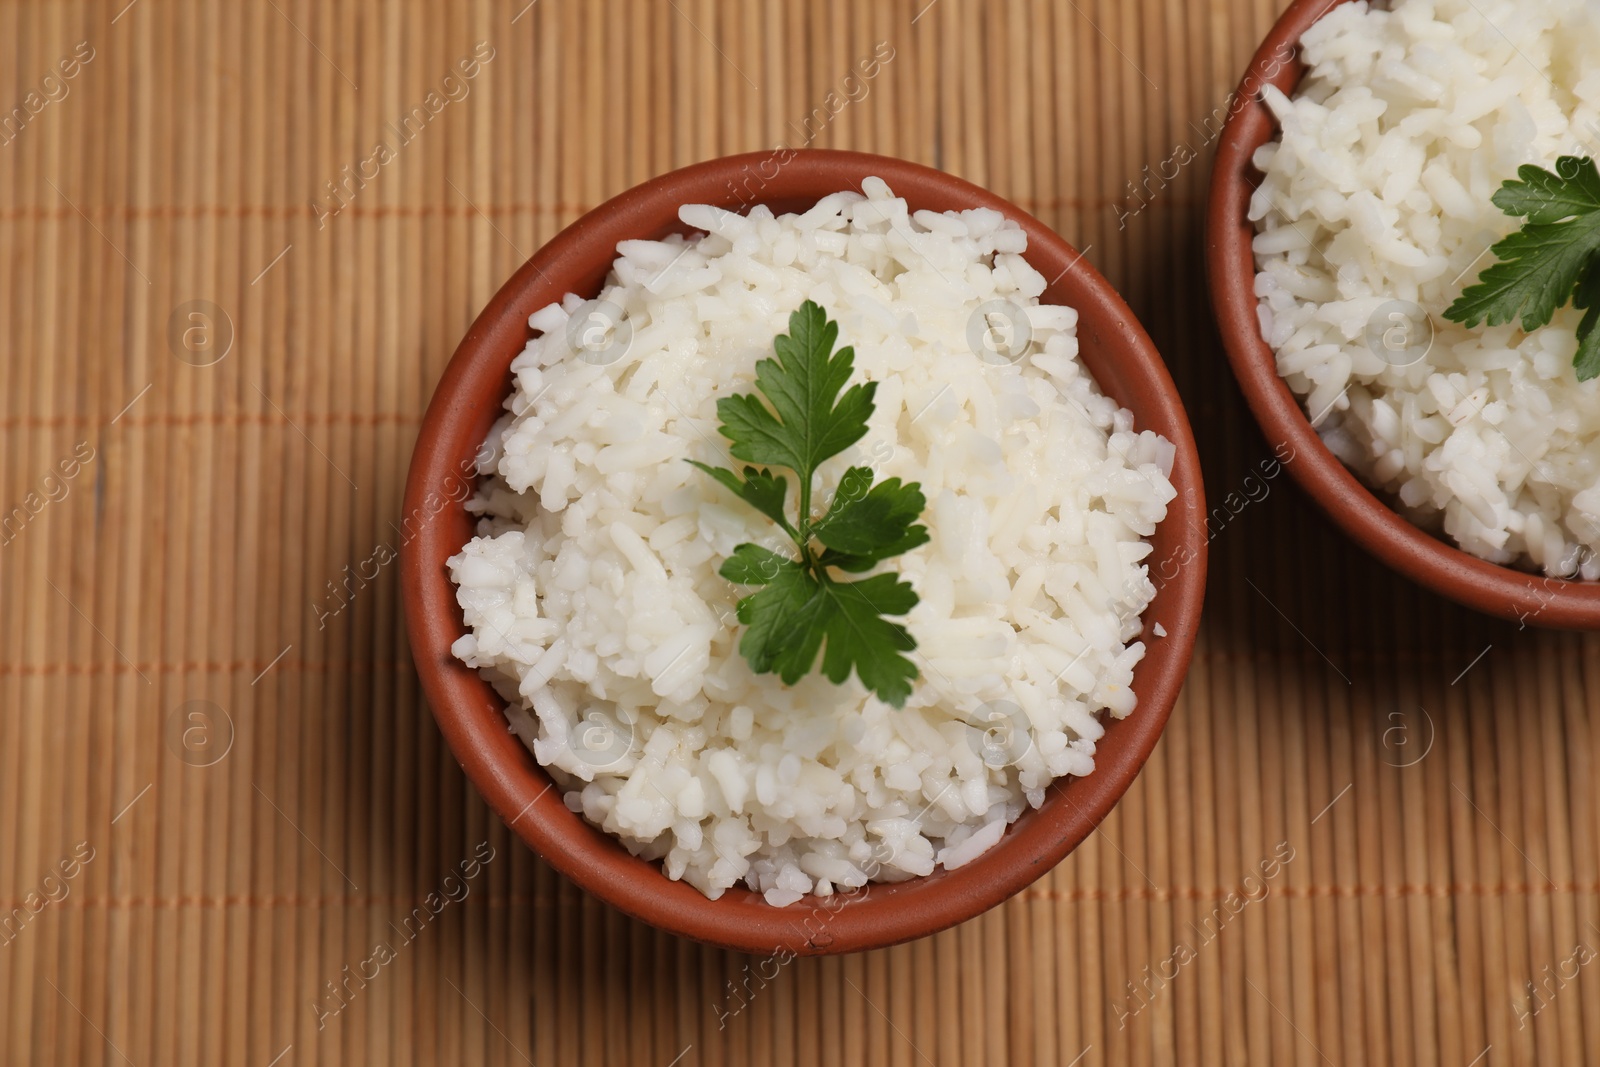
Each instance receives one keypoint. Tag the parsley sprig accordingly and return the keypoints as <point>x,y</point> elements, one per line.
<point>802,602</point>
<point>1554,258</point>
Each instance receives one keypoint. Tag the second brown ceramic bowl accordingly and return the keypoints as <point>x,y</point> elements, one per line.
<point>1373,523</point>
<point>436,525</point>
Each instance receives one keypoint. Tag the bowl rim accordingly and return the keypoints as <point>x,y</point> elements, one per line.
<point>1431,562</point>
<point>470,395</point>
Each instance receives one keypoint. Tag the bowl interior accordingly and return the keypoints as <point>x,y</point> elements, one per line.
<point>1372,522</point>
<point>467,402</point>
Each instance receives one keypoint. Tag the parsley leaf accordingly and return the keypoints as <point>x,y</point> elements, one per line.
<point>782,634</point>
<point>859,635</point>
<point>801,604</point>
<point>1553,259</point>
<point>864,526</point>
<point>1587,297</point>
<point>808,426</point>
<point>754,565</point>
<point>1542,196</point>
<point>761,489</point>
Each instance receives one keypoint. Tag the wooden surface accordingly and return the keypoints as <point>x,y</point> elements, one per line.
<point>1430,772</point>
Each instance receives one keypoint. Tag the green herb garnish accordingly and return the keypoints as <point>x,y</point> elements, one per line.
<point>802,603</point>
<point>1550,261</point>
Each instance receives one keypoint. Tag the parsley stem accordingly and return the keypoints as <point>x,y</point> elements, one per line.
<point>804,535</point>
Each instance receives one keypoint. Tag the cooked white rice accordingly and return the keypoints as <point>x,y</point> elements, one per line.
<point>592,590</point>
<point>1377,197</point>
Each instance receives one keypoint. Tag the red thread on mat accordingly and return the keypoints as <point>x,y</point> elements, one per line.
<point>215,418</point>
<point>252,667</point>
<point>176,212</point>
<point>1075,896</point>
<point>1219,893</point>
<point>173,212</point>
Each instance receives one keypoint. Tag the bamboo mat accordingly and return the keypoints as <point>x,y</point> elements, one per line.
<point>220,789</point>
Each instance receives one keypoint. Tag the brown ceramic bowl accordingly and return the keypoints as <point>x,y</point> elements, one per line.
<point>1372,522</point>
<point>469,399</point>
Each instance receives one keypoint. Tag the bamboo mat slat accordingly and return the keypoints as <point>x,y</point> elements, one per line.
<point>1420,781</point>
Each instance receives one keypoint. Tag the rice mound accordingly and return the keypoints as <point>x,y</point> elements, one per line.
<point>592,592</point>
<point>1376,196</point>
